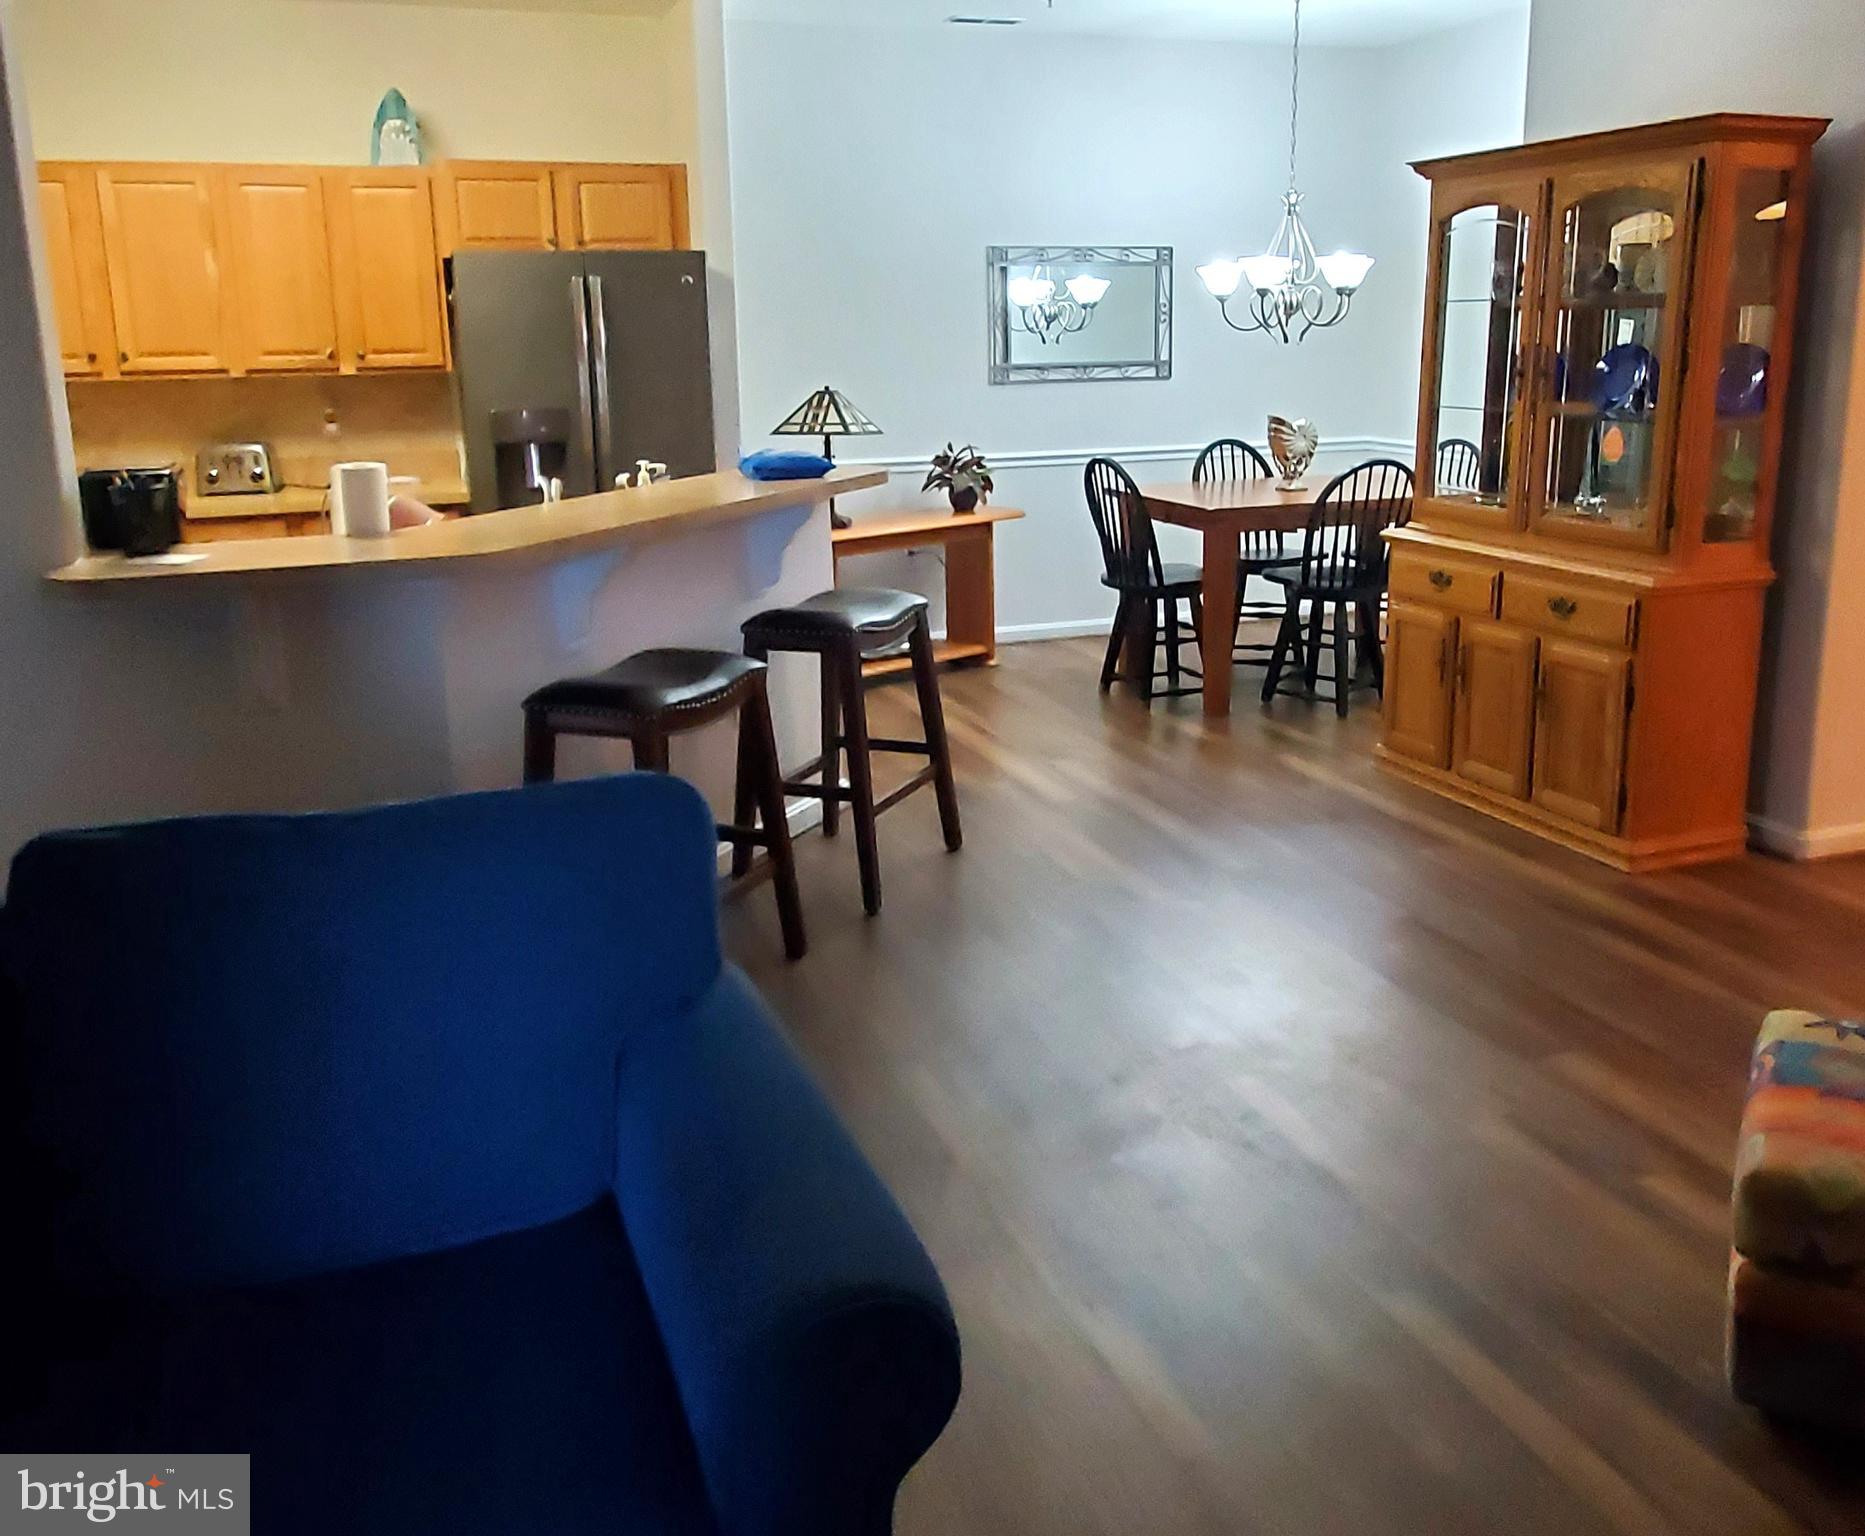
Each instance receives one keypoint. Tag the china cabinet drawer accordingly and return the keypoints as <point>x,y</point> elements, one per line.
<point>1564,607</point>
<point>1465,586</point>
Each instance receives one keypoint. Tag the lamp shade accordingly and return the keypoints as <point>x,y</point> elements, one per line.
<point>1345,270</point>
<point>1221,278</point>
<point>1088,290</point>
<point>826,413</point>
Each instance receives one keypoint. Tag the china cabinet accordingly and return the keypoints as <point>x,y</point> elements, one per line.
<point>1577,603</point>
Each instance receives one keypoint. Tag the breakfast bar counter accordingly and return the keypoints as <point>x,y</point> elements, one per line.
<point>563,530</point>
<point>326,671</point>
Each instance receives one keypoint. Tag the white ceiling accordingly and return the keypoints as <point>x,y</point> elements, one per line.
<point>1344,22</point>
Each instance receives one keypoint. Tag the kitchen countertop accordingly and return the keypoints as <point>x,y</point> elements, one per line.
<point>557,532</point>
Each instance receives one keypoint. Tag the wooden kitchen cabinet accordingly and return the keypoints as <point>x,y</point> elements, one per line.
<point>1580,725</point>
<point>1605,373</point>
<point>74,258</point>
<point>163,231</point>
<point>1418,683</point>
<point>506,205</point>
<point>390,311</point>
<point>621,207</point>
<point>1493,707</point>
<point>281,268</point>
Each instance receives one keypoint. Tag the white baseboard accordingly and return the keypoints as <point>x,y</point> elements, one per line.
<point>802,816</point>
<point>1065,629</point>
<point>1806,842</point>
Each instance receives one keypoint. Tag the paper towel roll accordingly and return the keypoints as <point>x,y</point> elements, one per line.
<point>359,499</point>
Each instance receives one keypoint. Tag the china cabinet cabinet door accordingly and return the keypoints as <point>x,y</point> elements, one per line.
<point>389,308</point>
<point>1580,730</point>
<point>74,255</point>
<point>162,236</point>
<point>622,207</point>
<point>1495,706</point>
<point>1617,292</point>
<point>281,269</point>
<point>1418,683</point>
<point>507,205</point>
<point>1480,309</point>
<point>1731,443</point>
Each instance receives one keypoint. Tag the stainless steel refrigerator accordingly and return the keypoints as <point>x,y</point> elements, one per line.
<point>612,344</point>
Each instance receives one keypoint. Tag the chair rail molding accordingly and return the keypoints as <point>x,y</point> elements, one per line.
<point>1159,453</point>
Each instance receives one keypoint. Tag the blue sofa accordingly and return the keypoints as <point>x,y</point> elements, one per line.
<point>432,1154</point>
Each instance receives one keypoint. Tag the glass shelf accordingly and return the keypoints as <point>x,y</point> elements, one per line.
<point>1618,298</point>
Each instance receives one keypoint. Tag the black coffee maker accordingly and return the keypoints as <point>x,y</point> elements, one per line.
<point>135,510</point>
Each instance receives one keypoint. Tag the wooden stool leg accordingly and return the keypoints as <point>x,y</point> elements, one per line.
<point>651,751</point>
<point>540,749</point>
<point>831,736</point>
<point>860,771</point>
<point>767,780</point>
<point>748,789</point>
<point>932,720</point>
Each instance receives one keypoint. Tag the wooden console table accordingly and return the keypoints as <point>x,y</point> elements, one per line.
<point>970,573</point>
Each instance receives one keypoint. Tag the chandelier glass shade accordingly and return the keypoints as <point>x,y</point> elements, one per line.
<point>1290,289</point>
<point>1040,311</point>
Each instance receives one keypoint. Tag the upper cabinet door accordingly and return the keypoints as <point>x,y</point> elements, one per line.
<point>74,253</point>
<point>389,306</point>
<point>622,207</point>
<point>281,268</point>
<point>496,204</point>
<point>1480,309</point>
<point>1618,289</point>
<point>162,238</point>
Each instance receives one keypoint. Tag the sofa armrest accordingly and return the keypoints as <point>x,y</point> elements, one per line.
<point>814,1348</point>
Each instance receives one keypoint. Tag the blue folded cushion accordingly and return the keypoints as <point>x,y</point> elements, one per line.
<point>777,464</point>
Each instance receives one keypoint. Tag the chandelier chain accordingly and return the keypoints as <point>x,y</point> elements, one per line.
<point>1295,90</point>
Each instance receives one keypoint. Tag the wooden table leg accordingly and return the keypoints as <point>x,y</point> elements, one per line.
<point>970,591</point>
<point>1219,591</point>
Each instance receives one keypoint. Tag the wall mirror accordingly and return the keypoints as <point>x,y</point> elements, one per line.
<point>1080,312</point>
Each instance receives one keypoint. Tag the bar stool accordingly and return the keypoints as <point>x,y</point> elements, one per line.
<point>843,627</point>
<point>654,695</point>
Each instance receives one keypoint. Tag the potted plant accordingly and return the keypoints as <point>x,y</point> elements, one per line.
<point>963,475</point>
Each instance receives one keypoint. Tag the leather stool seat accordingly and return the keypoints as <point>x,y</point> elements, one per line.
<point>880,613</point>
<point>651,683</point>
<point>653,695</point>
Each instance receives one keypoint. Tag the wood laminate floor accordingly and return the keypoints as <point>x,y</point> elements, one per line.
<point>1305,1154</point>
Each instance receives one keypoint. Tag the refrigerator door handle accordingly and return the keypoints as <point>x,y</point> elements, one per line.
<point>605,420</point>
<point>579,307</point>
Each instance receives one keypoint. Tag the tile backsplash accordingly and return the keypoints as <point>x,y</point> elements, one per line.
<point>409,420</point>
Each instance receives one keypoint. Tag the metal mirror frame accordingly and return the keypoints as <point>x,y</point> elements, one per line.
<point>999,259</point>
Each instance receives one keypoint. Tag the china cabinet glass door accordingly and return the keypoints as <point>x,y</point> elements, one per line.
<point>1617,287</point>
<point>1748,295</point>
<point>1480,289</point>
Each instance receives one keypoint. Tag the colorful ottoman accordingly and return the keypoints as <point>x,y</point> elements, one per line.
<point>1797,1281</point>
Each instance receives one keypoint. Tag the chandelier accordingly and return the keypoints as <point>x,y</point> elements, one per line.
<point>1047,317</point>
<point>1292,290</point>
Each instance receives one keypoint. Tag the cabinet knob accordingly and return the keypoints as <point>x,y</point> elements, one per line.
<point>330,354</point>
<point>123,357</point>
<point>1440,579</point>
<point>362,354</point>
<point>90,357</point>
<point>1563,607</point>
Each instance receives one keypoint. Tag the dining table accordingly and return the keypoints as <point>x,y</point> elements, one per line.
<point>1222,511</point>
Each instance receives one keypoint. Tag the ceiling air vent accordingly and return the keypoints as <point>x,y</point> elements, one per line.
<point>984,21</point>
